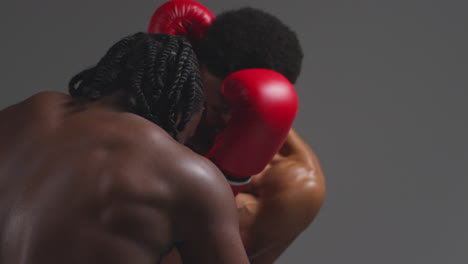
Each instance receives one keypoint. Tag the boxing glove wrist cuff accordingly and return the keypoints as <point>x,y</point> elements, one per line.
<point>237,181</point>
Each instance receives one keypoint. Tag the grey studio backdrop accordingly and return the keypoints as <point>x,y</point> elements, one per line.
<point>383,102</point>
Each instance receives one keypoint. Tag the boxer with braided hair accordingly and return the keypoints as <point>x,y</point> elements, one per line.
<point>103,176</point>
<point>159,71</point>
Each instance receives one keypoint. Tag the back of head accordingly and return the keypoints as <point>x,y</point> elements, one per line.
<point>250,38</point>
<point>159,71</point>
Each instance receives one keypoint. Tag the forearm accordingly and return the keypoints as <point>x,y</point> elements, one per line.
<point>262,241</point>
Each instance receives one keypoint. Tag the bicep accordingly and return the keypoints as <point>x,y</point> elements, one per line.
<point>270,223</point>
<point>267,227</point>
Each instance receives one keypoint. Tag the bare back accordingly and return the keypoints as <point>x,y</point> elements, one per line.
<point>83,184</point>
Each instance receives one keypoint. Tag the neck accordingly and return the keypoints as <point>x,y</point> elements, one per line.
<point>119,99</point>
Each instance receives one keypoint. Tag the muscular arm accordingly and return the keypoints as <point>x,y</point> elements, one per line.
<point>279,204</point>
<point>281,201</point>
<point>209,218</point>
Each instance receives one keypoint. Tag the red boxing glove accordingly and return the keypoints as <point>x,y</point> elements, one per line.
<point>263,107</point>
<point>186,18</point>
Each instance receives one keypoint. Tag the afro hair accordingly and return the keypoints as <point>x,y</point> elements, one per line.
<point>250,38</point>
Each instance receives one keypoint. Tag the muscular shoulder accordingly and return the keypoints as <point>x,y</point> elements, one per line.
<point>204,196</point>
<point>191,176</point>
<point>201,179</point>
<point>290,175</point>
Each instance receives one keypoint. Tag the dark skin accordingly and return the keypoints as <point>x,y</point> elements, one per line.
<point>281,201</point>
<point>89,182</point>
